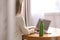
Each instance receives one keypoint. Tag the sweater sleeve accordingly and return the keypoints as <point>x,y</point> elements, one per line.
<point>21,25</point>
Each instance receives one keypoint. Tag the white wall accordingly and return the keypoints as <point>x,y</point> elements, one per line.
<point>40,7</point>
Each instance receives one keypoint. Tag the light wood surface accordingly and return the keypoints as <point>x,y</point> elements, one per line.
<point>55,35</point>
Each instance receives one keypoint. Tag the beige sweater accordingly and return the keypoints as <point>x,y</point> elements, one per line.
<point>20,28</point>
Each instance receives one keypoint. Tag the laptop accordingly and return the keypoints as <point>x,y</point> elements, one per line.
<point>46,24</point>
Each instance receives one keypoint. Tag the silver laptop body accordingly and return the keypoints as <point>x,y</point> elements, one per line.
<point>46,24</point>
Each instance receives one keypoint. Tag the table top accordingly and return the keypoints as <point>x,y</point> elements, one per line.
<point>55,32</point>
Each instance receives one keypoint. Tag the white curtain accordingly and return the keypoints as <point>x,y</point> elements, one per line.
<point>3,20</point>
<point>11,18</point>
<point>7,14</point>
<point>27,14</point>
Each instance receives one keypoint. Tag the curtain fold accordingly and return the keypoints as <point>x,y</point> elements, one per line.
<point>7,12</point>
<point>27,13</point>
<point>3,20</point>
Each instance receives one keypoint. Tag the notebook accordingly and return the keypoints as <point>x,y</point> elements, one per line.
<point>46,24</point>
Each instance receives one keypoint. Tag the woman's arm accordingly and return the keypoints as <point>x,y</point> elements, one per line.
<point>21,25</point>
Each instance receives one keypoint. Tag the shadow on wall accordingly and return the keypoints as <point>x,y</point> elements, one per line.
<point>55,19</point>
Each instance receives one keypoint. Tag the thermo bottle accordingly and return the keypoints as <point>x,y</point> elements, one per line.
<point>41,28</point>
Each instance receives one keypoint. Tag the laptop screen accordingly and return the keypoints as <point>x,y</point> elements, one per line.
<point>46,24</point>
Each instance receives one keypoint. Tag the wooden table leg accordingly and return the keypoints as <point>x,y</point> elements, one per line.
<point>22,39</point>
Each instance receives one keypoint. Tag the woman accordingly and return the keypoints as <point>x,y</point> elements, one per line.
<point>20,28</point>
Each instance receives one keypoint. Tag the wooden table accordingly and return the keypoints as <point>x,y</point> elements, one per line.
<point>55,35</point>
